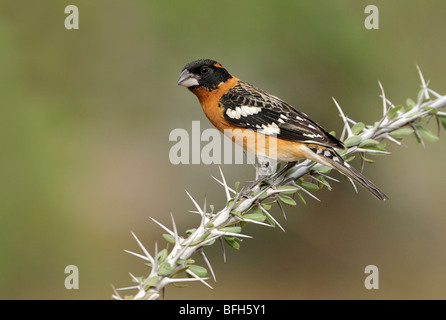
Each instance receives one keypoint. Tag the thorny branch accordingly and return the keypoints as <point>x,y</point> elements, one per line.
<point>252,205</point>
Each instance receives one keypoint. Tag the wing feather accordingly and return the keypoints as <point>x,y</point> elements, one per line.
<point>252,108</point>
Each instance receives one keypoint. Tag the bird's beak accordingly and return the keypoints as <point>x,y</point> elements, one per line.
<point>187,79</point>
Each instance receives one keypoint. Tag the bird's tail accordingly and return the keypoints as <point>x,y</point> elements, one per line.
<point>328,157</point>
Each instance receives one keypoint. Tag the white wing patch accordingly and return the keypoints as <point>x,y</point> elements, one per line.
<point>233,114</point>
<point>284,117</point>
<point>270,129</point>
<point>243,111</point>
<point>249,111</point>
<point>310,135</point>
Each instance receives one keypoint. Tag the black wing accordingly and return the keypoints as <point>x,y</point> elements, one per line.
<point>249,107</point>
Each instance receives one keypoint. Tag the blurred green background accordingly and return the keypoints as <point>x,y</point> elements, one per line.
<point>85,120</point>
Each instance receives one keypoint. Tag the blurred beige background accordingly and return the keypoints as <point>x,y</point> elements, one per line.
<point>86,115</point>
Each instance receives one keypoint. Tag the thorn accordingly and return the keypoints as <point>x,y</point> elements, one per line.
<point>230,189</point>
<point>202,280</point>
<point>418,135</point>
<point>322,182</point>
<point>196,212</point>
<point>223,249</point>
<point>138,255</point>
<point>389,137</point>
<point>344,118</point>
<point>306,191</point>
<point>144,249</point>
<point>362,163</point>
<point>175,231</point>
<point>328,177</point>
<point>391,105</point>
<point>372,151</point>
<point>195,203</point>
<point>434,93</point>
<point>233,234</point>
<point>164,227</point>
<point>135,278</point>
<point>228,197</point>
<point>383,96</point>
<point>281,209</point>
<point>201,252</point>
<point>351,121</point>
<point>271,217</point>
<point>116,295</point>
<point>423,83</point>
<point>127,288</point>
<point>258,222</point>
<point>173,280</point>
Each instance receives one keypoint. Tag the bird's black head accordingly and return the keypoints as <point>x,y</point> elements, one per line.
<point>204,73</point>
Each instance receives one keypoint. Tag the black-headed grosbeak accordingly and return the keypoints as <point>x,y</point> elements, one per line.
<point>230,104</point>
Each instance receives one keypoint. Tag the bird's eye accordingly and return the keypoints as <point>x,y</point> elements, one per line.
<point>204,70</point>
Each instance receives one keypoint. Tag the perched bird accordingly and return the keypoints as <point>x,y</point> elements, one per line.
<point>234,106</point>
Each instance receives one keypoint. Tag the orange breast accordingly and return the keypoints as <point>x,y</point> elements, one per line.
<point>209,101</point>
<point>279,149</point>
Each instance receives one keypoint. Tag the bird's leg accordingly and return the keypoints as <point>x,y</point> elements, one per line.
<point>265,169</point>
<point>282,171</point>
